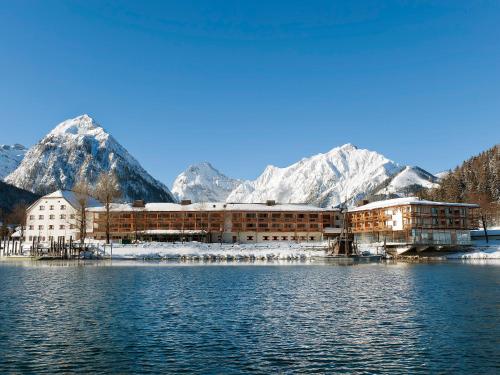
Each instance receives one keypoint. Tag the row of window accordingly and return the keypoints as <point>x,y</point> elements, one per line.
<point>42,238</point>
<point>51,217</point>
<point>51,227</point>
<point>235,216</point>
<point>51,207</point>
<point>283,238</point>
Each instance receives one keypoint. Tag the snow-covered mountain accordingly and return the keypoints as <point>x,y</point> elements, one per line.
<point>407,182</point>
<point>203,183</point>
<point>80,147</point>
<point>345,173</point>
<point>10,158</point>
<point>443,174</point>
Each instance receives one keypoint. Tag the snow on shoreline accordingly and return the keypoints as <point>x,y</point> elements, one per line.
<point>481,250</point>
<point>158,250</point>
<point>283,250</point>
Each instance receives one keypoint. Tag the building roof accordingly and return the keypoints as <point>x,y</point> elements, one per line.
<point>215,206</point>
<point>72,198</point>
<point>407,201</point>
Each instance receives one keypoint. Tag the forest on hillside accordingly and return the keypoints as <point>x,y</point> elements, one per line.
<point>477,180</point>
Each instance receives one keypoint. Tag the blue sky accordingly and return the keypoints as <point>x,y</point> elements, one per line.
<point>243,84</point>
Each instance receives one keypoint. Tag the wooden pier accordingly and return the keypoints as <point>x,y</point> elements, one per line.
<point>60,249</point>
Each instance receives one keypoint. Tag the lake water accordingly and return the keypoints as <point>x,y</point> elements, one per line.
<point>249,318</point>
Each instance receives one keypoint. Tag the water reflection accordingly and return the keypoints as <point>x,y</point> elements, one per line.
<point>158,317</point>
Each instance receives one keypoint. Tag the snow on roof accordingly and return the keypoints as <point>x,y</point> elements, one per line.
<point>216,206</point>
<point>72,198</point>
<point>406,201</point>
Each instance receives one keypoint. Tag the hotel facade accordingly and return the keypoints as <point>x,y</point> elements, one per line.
<point>216,222</point>
<point>394,222</point>
<point>54,217</point>
<point>415,222</point>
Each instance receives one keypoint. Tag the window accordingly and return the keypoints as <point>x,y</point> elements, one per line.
<point>40,217</point>
<point>32,227</point>
<point>40,227</point>
<point>72,216</point>
<point>275,238</point>
<point>61,226</point>
<point>52,217</point>
<point>71,226</point>
<point>32,217</point>
<point>63,216</point>
<point>250,216</point>
<point>51,208</point>
<point>51,227</point>
<point>312,238</point>
<point>249,238</point>
<point>63,206</point>
<point>42,208</point>
<point>266,238</point>
<point>284,238</point>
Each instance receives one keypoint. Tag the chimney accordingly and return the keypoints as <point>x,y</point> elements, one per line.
<point>185,202</point>
<point>362,202</point>
<point>139,203</point>
<point>270,202</point>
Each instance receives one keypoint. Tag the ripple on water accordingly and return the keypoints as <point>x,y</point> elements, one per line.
<point>257,319</point>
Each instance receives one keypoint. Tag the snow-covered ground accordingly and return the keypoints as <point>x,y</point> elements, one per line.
<point>480,250</point>
<point>277,250</point>
<point>198,250</point>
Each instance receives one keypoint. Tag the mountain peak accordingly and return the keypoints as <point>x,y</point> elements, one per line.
<point>81,125</point>
<point>348,147</point>
<point>204,165</point>
<point>80,148</point>
<point>202,182</point>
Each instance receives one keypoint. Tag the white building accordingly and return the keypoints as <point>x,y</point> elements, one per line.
<point>54,217</point>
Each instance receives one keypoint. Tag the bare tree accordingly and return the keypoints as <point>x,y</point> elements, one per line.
<point>18,217</point>
<point>486,212</point>
<point>82,191</point>
<point>107,191</point>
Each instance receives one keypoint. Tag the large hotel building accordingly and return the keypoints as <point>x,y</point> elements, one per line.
<point>412,221</point>
<point>216,222</point>
<point>402,221</point>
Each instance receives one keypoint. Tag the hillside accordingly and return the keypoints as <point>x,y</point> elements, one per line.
<point>81,148</point>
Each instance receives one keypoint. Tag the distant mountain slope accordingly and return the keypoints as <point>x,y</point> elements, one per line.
<point>11,195</point>
<point>476,180</point>
<point>407,182</point>
<point>345,173</point>
<point>203,183</point>
<point>10,158</point>
<point>79,147</point>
